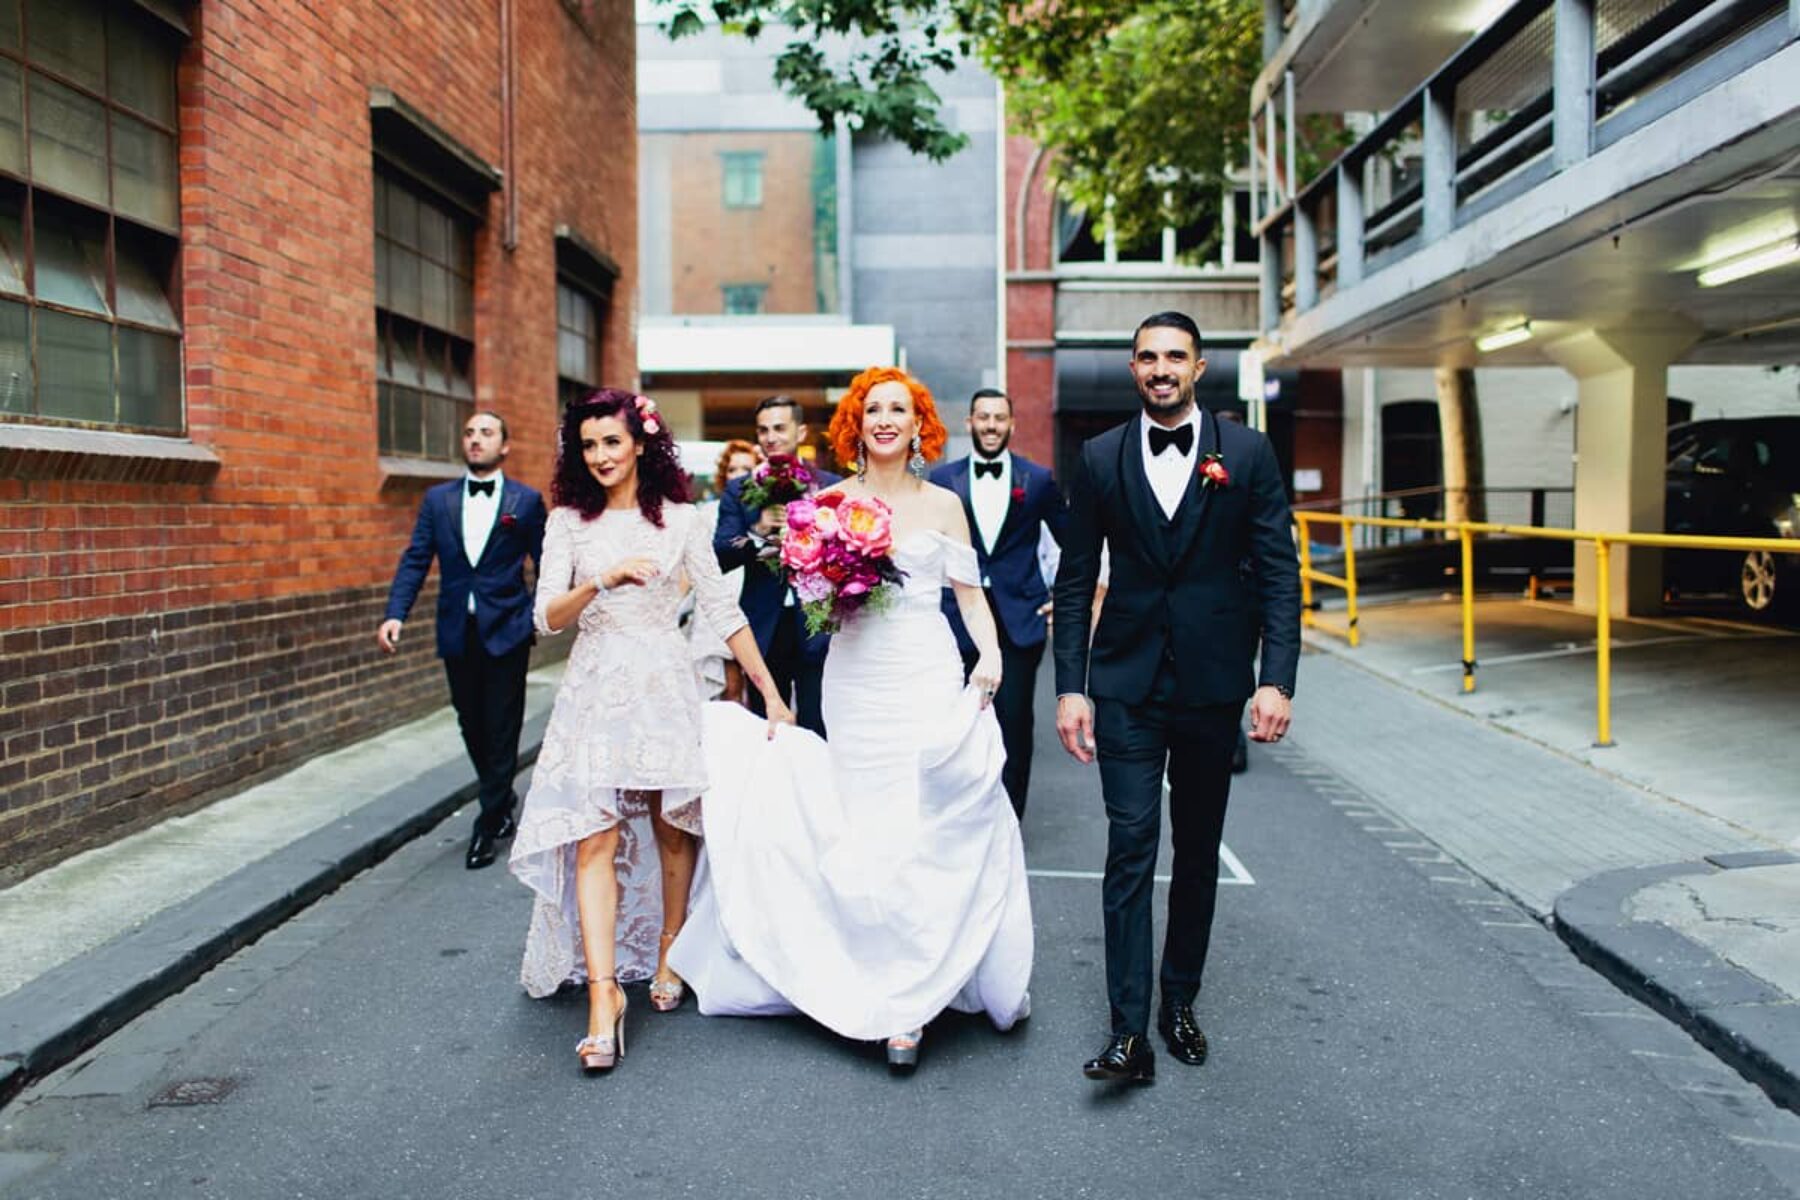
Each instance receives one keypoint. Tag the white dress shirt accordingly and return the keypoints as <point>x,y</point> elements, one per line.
<point>478,516</point>
<point>1169,472</point>
<point>990,498</point>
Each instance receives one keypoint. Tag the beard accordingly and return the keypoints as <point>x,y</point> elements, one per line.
<point>1182,399</point>
<point>997,451</point>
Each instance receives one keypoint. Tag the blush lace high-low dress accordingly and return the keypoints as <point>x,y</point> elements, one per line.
<point>874,881</point>
<point>626,723</point>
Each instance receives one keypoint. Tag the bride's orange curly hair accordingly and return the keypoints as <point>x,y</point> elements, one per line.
<point>846,421</point>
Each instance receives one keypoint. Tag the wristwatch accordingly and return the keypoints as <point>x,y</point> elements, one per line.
<point>1287,693</point>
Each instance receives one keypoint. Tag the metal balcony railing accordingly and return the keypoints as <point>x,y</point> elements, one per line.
<point>1546,85</point>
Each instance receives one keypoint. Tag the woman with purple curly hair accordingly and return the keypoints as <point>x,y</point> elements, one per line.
<point>621,762</point>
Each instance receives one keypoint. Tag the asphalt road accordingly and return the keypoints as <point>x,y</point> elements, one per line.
<point>1382,1025</point>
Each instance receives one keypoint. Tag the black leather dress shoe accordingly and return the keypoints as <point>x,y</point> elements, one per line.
<point>1179,1029</point>
<point>1127,1058</point>
<point>481,850</point>
<point>507,828</point>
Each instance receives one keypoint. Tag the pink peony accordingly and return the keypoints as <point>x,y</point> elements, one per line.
<point>801,549</point>
<point>811,586</point>
<point>801,514</point>
<point>825,520</point>
<point>867,526</point>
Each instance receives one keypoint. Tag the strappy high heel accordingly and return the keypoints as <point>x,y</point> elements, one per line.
<point>602,1051</point>
<point>903,1052</point>
<point>666,994</point>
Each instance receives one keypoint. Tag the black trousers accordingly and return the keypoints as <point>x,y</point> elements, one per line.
<point>1136,745</point>
<point>1014,707</point>
<point>488,692</point>
<point>798,681</point>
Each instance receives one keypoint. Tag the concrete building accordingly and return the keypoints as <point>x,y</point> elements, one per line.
<point>777,257</point>
<point>1591,202</point>
<point>257,261</point>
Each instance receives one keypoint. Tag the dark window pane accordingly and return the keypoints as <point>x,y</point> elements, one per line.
<point>403,216</point>
<point>75,367</point>
<point>462,308</point>
<point>139,290</point>
<point>462,249</point>
<point>434,233</point>
<point>440,427</point>
<point>66,36</point>
<point>571,355</point>
<point>384,419</point>
<point>144,177</point>
<point>12,247</point>
<point>565,305</point>
<point>381,273</point>
<point>462,374</point>
<point>142,67</point>
<point>434,364</point>
<point>9,24</point>
<point>409,426</point>
<point>12,104</point>
<point>403,281</point>
<point>149,379</point>
<point>68,140</point>
<point>434,295</point>
<point>15,357</point>
<point>70,260</point>
<point>403,363</point>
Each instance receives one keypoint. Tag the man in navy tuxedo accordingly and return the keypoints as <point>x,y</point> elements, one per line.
<point>1009,501</point>
<point>1202,614</point>
<point>481,529</point>
<point>796,661</point>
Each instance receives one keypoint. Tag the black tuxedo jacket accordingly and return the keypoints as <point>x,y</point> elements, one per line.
<point>1201,590</point>
<point>1009,568</point>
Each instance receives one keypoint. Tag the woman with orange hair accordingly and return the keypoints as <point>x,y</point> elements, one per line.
<point>876,881</point>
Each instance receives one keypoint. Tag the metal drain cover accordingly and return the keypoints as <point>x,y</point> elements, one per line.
<point>186,1093</point>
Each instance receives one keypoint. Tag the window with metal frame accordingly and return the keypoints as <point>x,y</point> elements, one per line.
<point>90,226</point>
<point>580,319</point>
<point>743,171</point>
<point>424,320</point>
<point>743,299</point>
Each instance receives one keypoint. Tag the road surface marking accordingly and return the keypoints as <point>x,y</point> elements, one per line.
<point>1238,875</point>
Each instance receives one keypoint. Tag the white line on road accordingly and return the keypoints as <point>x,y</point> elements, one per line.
<point>1229,861</point>
<point>1567,650</point>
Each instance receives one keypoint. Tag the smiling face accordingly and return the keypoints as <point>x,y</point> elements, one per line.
<point>739,465</point>
<point>778,432</point>
<point>610,452</point>
<point>1165,363</point>
<point>991,424</point>
<point>888,422</point>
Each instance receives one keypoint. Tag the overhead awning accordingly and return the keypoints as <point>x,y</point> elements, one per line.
<point>761,346</point>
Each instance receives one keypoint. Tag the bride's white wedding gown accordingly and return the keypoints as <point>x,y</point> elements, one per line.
<point>873,882</point>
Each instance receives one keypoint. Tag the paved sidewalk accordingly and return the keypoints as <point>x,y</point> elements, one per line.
<point>1667,861</point>
<point>99,938</point>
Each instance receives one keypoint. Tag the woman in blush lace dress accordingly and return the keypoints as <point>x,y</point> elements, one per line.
<point>621,764</point>
<point>873,882</point>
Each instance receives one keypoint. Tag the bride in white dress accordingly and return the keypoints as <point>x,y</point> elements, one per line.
<point>876,881</point>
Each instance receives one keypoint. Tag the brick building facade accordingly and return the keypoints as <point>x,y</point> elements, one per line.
<point>312,238</point>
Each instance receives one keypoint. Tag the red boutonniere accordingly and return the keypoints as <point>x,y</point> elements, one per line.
<point>1212,470</point>
<point>507,520</point>
<point>1018,495</point>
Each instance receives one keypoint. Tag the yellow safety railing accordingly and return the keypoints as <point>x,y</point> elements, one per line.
<point>1466,532</point>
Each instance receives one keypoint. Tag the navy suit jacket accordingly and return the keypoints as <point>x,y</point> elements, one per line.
<point>1009,568</point>
<point>764,590</point>
<point>1204,589</point>
<point>502,602</point>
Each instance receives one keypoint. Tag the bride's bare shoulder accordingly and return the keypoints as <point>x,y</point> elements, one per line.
<point>947,511</point>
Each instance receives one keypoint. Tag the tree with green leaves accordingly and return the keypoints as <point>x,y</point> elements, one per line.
<point>1142,103</point>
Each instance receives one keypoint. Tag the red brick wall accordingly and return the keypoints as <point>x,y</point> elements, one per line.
<point>1030,302</point>
<point>162,642</point>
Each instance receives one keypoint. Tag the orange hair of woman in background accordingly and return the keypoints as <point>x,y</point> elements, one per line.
<point>733,448</point>
<point>847,420</point>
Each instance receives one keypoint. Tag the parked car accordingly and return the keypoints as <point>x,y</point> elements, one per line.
<point>1735,478</point>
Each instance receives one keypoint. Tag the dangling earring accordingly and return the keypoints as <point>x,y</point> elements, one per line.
<point>862,458</point>
<point>918,458</point>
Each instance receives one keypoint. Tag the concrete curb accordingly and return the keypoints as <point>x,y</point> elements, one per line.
<point>1749,1024</point>
<point>55,1017</point>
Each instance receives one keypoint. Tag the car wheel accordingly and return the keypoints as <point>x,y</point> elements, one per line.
<point>1757,583</point>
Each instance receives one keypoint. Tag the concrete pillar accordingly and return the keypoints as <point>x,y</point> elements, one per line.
<point>1459,420</point>
<point>1306,258</point>
<point>1350,223</point>
<point>1272,28</point>
<point>1572,90</point>
<point>1621,422</point>
<point>1438,147</point>
<point>1270,292</point>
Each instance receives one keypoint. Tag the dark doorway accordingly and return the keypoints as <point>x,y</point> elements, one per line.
<point>1412,456</point>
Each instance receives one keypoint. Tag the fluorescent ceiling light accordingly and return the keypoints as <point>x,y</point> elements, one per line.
<point>1512,335</point>
<point>1779,254</point>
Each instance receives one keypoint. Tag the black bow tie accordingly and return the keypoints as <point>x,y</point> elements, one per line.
<point>485,487</point>
<point>988,468</point>
<point>1181,438</point>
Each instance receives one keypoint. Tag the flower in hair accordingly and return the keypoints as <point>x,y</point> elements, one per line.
<point>652,426</point>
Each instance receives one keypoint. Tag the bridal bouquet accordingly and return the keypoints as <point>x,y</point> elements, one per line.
<point>838,555</point>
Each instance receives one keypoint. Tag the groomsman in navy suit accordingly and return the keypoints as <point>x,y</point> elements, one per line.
<point>1009,501</point>
<point>481,529</point>
<point>796,661</point>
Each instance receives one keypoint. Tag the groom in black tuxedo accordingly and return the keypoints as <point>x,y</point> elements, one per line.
<point>1195,518</point>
